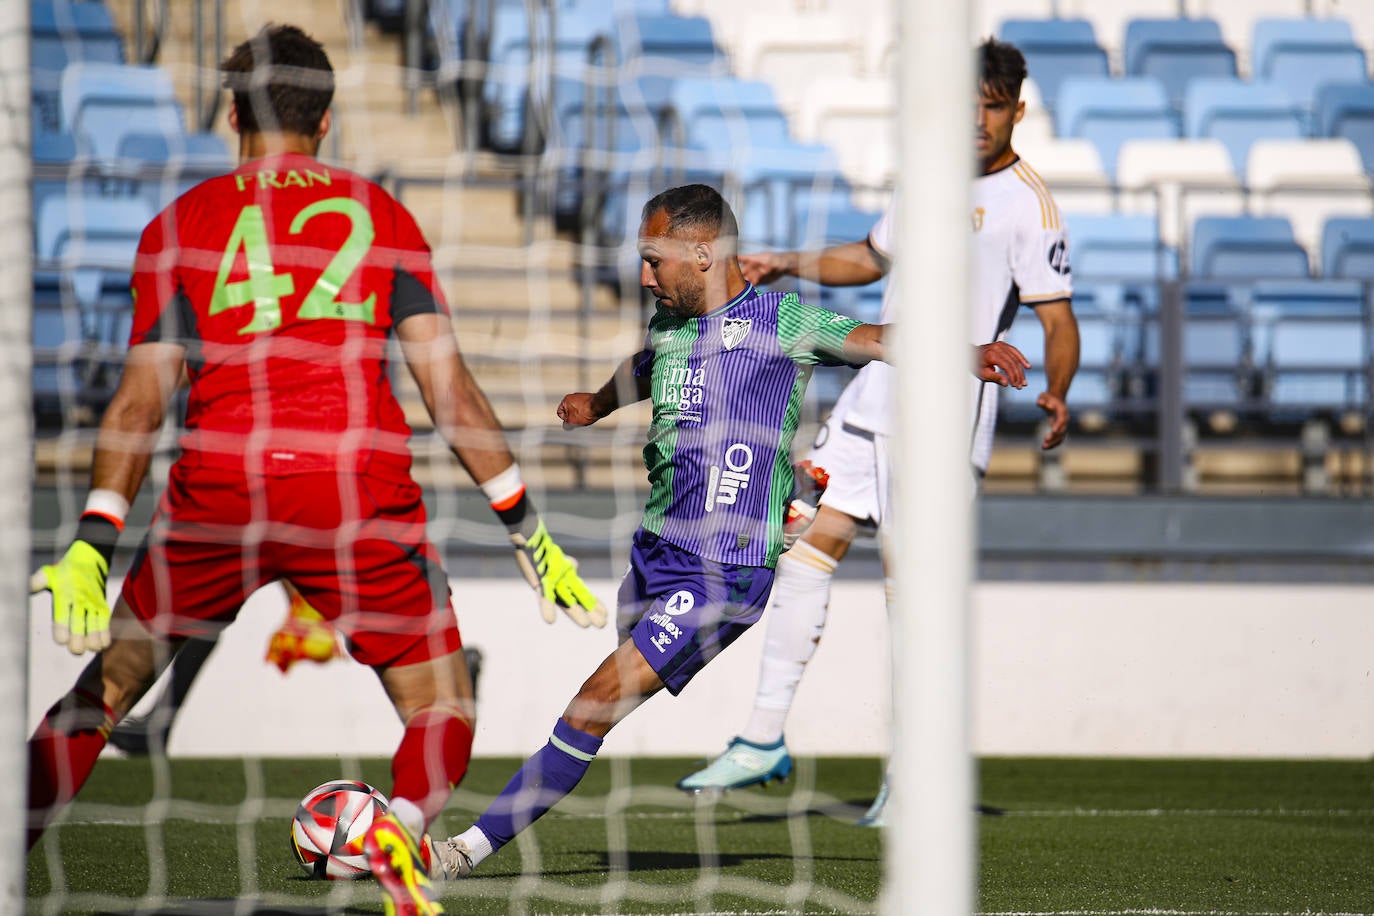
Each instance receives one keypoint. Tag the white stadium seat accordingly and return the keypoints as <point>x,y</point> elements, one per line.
<point>1308,181</point>
<point>1178,180</point>
<point>857,119</point>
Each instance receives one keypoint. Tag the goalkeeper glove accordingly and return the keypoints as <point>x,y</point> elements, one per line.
<point>305,634</point>
<point>80,610</point>
<point>801,512</point>
<point>553,576</point>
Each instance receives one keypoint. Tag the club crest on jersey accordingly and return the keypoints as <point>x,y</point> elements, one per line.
<point>978,214</point>
<point>733,330</point>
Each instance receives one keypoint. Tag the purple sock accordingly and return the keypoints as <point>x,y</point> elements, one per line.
<point>550,774</point>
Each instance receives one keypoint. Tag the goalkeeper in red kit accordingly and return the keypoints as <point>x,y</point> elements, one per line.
<point>276,288</point>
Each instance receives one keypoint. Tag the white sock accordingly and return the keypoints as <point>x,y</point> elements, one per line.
<point>479,847</point>
<point>410,816</point>
<point>801,597</point>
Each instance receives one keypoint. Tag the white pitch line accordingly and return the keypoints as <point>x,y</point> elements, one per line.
<point>1190,812</point>
<point>1156,912</point>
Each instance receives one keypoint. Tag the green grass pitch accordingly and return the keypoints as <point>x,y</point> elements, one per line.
<point>1082,837</point>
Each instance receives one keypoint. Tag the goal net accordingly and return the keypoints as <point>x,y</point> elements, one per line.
<point>524,137</point>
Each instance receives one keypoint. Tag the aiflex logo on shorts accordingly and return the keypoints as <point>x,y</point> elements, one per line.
<point>678,603</point>
<point>724,485</point>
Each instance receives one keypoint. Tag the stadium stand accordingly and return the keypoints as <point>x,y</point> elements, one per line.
<point>1302,55</point>
<point>1110,111</point>
<point>1178,181</point>
<point>1308,182</point>
<point>1312,348</point>
<point>1347,110</point>
<point>1056,49</point>
<point>1238,113</point>
<point>1176,51</point>
<point>1348,248</point>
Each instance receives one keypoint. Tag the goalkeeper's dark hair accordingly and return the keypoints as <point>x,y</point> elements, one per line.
<point>696,207</point>
<point>1001,69</point>
<point>281,80</point>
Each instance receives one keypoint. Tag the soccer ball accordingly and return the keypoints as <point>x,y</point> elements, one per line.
<point>330,823</point>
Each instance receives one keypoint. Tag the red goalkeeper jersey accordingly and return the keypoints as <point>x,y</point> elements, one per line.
<point>283,280</point>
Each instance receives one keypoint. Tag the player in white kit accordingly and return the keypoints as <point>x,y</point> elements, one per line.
<point>1020,259</point>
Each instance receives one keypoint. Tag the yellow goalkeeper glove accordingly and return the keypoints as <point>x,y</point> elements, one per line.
<point>553,576</point>
<point>304,635</point>
<point>80,610</point>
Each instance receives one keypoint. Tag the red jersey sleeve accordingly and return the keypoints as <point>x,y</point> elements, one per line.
<point>416,289</point>
<point>159,301</point>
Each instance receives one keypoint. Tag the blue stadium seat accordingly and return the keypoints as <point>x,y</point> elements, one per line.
<point>172,165</point>
<point>1119,247</point>
<point>1096,384</point>
<point>1311,344</point>
<point>634,141</point>
<point>686,44</point>
<point>1056,49</point>
<point>1176,51</point>
<point>1348,248</point>
<point>1108,112</point>
<point>1246,248</point>
<point>103,103</point>
<point>1301,55</point>
<point>60,351</point>
<point>1347,110</point>
<point>1239,113</point>
<point>723,113</point>
<point>1217,367</point>
<point>62,31</point>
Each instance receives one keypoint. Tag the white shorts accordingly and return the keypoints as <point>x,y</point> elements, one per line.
<point>856,460</point>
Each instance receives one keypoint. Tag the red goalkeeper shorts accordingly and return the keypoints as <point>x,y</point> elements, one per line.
<point>354,546</point>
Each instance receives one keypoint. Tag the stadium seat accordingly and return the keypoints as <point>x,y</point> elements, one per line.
<point>1095,384</point>
<point>1348,248</point>
<point>792,51</point>
<point>1175,51</point>
<point>1347,110</point>
<point>1308,181</point>
<point>724,113</point>
<point>1239,113</point>
<point>1109,112</point>
<point>1056,49</point>
<point>1311,345</point>
<point>1301,55</point>
<point>857,118</point>
<point>60,351</point>
<point>172,165</point>
<point>1217,367</point>
<point>62,32</point>
<point>1120,247</point>
<point>1246,248</point>
<point>1177,180</point>
<point>102,103</point>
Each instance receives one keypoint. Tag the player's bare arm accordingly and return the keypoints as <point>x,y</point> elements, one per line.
<point>865,344</point>
<point>460,409</point>
<point>850,264</point>
<point>583,408</point>
<point>1000,363</point>
<point>130,424</point>
<point>1061,362</point>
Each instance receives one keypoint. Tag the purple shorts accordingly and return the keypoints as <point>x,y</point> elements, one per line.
<point>682,610</point>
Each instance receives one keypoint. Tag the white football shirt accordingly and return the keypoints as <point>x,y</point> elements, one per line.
<point>1020,257</point>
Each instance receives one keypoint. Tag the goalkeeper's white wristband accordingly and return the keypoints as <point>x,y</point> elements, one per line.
<point>108,505</point>
<point>506,494</point>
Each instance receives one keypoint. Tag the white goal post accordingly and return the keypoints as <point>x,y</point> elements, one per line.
<point>16,422</point>
<point>930,844</point>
